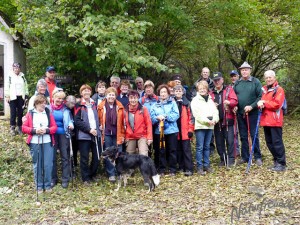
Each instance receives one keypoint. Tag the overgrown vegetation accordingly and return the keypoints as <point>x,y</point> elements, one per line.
<point>198,199</point>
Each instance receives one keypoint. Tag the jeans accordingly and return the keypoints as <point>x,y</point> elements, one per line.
<point>42,166</point>
<point>62,144</point>
<point>243,128</point>
<point>203,138</point>
<point>110,140</point>
<point>16,110</point>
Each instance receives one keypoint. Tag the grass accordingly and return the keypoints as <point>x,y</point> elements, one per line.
<point>206,199</point>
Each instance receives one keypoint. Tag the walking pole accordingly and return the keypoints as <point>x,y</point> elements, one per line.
<point>43,166</point>
<point>234,136</point>
<point>249,135</point>
<point>97,148</point>
<point>37,173</point>
<point>253,145</point>
<point>71,159</point>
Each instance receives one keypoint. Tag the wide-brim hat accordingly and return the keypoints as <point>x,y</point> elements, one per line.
<point>245,65</point>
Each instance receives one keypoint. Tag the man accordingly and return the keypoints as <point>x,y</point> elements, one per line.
<point>204,76</point>
<point>225,100</point>
<point>115,82</point>
<point>139,82</point>
<point>234,76</point>
<point>16,93</point>
<point>50,80</point>
<point>177,78</point>
<point>249,92</point>
<point>123,97</point>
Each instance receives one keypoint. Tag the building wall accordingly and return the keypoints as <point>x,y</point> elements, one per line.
<point>11,51</point>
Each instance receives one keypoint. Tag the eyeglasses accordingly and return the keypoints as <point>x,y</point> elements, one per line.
<point>139,82</point>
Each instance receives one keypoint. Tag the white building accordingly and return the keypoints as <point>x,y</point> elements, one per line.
<point>11,50</point>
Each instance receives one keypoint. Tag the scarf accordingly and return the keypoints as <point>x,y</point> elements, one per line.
<point>111,114</point>
<point>56,107</point>
<point>133,109</point>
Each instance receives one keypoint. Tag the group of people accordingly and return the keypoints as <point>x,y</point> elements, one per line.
<point>139,121</point>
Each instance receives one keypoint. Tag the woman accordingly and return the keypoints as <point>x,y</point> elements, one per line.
<point>100,92</point>
<point>110,114</point>
<point>186,126</point>
<point>138,132</point>
<point>165,112</point>
<point>64,122</point>
<point>88,133</point>
<point>40,127</point>
<point>271,104</point>
<point>16,93</point>
<point>41,87</point>
<point>206,116</point>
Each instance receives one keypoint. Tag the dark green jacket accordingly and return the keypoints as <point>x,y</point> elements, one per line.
<point>249,92</point>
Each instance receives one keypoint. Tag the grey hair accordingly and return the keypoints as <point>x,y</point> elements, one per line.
<point>115,77</point>
<point>139,78</point>
<point>41,82</point>
<point>270,72</point>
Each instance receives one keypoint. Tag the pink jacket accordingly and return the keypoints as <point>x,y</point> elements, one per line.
<point>27,126</point>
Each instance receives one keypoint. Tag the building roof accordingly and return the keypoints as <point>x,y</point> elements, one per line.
<point>5,21</point>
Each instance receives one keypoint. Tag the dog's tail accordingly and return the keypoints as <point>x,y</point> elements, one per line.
<point>155,175</point>
<point>156,179</point>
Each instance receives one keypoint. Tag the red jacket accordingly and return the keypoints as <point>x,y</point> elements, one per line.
<point>232,98</point>
<point>272,114</point>
<point>186,120</point>
<point>120,120</point>
<point>142,124</point>
<point>27,126</point>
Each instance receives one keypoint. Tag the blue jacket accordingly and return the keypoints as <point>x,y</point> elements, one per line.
<point>82,121</point>
<point>148,102</point>
<point>63,120</point>
<point>170,110</point>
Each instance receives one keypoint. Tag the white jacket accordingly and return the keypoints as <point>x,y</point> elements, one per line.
<point>202,109</point>
<point>10,86</point>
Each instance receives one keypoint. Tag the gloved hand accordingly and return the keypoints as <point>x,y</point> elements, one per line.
<point>190,134</point>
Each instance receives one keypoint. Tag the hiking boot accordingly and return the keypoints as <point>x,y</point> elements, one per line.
<point>200,171</point>
<point>242,161</point>
<point>19,130</point>
<point>40,191</point>
<point>208,169</point>
<point>258,162</point>
<point>112,179</point>
<point>279,168</point>
<point>12,130</point>
<point>65,184</point>
<point>273,166</point>
<point>188,173</point>
<point>172,174</point>
<point>53,183</point>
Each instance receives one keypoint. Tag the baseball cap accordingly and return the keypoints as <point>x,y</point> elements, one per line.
<point>50,68</point>
<point>217,75</point>
<point>233,73</point>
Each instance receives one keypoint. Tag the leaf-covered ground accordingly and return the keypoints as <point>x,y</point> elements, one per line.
<point>209,199</point>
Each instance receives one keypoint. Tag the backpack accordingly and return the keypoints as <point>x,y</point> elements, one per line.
<point>284,105</point>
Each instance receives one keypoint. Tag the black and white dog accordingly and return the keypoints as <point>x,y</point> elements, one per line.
<point>126,163</point>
